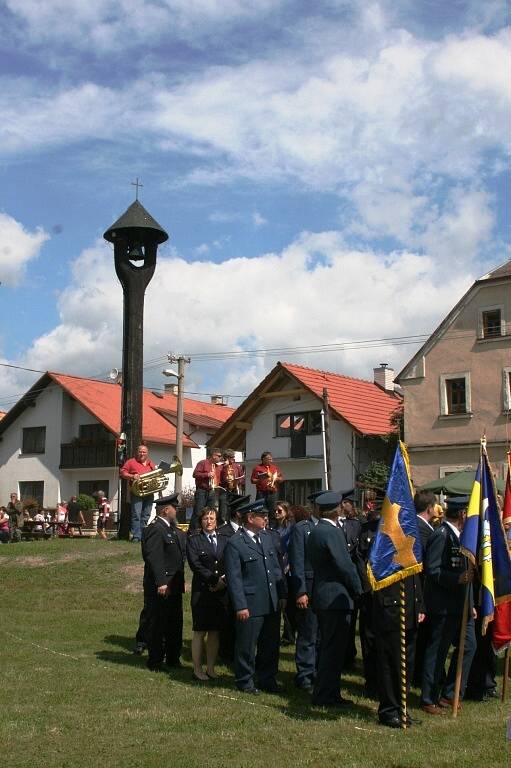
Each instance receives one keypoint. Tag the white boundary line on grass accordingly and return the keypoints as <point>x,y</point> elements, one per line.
<point>237,699</point>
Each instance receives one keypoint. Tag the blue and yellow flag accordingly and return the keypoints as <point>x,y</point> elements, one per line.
<point>396,552</point>
<point>483,541</point>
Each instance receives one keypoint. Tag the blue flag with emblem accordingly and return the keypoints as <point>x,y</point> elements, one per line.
<point>483,541</point>
<point>396,552</point>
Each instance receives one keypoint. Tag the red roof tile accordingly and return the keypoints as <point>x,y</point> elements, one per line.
<point>361,403</point>
<point>103,401</point>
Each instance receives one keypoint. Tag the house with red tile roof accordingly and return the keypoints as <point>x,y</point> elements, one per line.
<point>283,415</point>
<point>58,440</point>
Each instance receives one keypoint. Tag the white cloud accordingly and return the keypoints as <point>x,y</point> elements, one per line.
<point>380,126</point>
<point>222,217</point>
<point>258,220</point>
<point>110,24</point>
<point>17,248</point>
<point>256,303</point>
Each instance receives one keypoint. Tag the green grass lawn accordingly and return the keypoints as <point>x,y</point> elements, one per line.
<point>73,694</point>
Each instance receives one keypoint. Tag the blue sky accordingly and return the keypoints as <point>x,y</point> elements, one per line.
<point>328,172</point>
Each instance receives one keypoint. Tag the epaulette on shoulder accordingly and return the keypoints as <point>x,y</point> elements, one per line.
<point>191,534</point>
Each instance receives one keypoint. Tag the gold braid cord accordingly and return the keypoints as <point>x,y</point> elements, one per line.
<point>402,632</point>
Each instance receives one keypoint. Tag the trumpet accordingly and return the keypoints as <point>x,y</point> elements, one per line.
<point>271,484</point>
<point>212,475</point>
<point>156,480</point>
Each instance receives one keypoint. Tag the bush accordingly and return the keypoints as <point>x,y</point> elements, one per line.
<point>85,501</point>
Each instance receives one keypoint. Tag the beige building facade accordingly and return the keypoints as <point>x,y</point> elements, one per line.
<point>457,387</point>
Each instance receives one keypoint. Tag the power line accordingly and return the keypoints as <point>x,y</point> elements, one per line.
<point>155,362</point>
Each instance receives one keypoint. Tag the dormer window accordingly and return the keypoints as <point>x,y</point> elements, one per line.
<point>491,323</point>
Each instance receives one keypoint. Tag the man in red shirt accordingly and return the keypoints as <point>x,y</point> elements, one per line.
<point>207,480</point>
<point>140,506</point>
<point>266,478</point>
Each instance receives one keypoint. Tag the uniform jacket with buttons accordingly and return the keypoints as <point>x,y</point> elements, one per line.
<point>443,564</point>
<point>367,536</point>
<point>164,552</point>
<point>336,581</point>
<point>207,564</point>
<point>387,605</point>
<point>254,575</point>
<point>299,561</point>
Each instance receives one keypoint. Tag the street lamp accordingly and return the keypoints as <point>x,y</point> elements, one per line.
<point>179,375</point>
<point>135,237</point>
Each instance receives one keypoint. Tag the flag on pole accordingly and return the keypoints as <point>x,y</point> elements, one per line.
<point>396,552</point>
<point>501,629</point>
<point>484,543</point>
<point>506,509</point>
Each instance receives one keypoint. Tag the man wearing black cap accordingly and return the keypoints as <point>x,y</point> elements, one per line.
<point>301,577</point>
<point>447,576</point>
<point>164,550</point>
<point>257,590</point>
<point>352,528</point>
<point>336,585</point>
<point>228,633</point>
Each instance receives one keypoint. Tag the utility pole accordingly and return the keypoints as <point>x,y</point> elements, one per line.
<point>326,440</point>
<point>180,375</point>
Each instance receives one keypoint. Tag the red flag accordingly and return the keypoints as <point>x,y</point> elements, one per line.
<point>501,629</point>
<point>506,509</point>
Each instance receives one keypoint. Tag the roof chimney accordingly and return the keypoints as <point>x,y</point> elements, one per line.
<point>384,377</point>
<point>171,389</point>
<point>217,400</point>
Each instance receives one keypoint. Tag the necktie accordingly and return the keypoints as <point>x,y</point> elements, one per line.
<point>212,539</point>
<point>257,540</point>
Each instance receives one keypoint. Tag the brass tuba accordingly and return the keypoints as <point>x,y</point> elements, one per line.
<point>156,480</point>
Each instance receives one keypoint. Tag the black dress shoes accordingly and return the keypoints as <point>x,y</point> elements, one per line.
<point>174,664</point>
<point>271,688</point>
<point>139,649</point>
<point>156,667</point>
<point>392,721</point>
<point>307,687</point>
<point>252,690</point>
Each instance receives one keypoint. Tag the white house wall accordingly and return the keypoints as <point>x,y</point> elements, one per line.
<point>261,437</point>
<point>63,416</point>
<point>16,467</point>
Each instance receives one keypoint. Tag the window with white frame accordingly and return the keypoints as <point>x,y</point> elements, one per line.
<point>491,323</point>
<point>455,396</point>
<point>506,389</point>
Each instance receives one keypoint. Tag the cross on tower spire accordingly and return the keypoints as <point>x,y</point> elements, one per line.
<point>136,184</point>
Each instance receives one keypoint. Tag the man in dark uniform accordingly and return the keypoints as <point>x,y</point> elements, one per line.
<point>366,622</point>
<point>228,633</point>
<point>301,577</point>
<point>424,502</point>
<point>447,576</point>
<point>352,530</point>
<point>336,584</point>
<point>386,624</point>
<point>257,589</point>
<point>164,550</point>
<point>235,520</point>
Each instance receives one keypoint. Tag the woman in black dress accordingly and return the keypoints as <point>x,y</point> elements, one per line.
<point>209,594</point>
